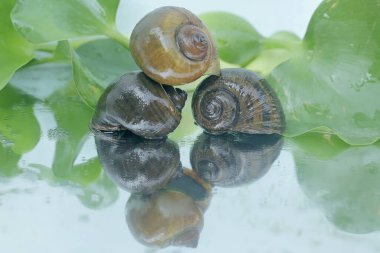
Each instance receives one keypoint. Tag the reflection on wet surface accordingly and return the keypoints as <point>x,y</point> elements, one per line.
<point>234,160</point>
<point>218,193</point>
<point>346,185</point>
<point>168,201</point>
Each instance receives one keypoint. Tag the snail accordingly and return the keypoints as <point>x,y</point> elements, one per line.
<point>140,105</point>
<point>172,46</point>
<point>171,216</point>
<point>138,165</point>
<point>237,101</point>
<point>234,160</point>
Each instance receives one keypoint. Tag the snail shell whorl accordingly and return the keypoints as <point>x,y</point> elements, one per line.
<point>237,101</point>
<point>172,46</point>
<point>140,105</point>
<point>234,160</point>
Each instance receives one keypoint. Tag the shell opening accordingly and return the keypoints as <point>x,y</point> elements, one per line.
<point>192,42</point>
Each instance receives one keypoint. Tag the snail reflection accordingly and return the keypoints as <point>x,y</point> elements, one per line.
<point>135,164</point>
<point>171,216</point>
<point>234,160</point>
<point>167,202</point>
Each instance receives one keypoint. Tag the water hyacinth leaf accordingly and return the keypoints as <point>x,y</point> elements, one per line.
<point>237,40</point>
<point>99,194</point>
<point>9,162</point>
<point>42,80</point>
<point>275,50</point>
<point>97,64</point>
<point>340,179</point>
<point>15,51</point>
<point>64,19</point>
<point>87,172</point>
<point>186,128</point>
<point>334,83</point>
<point>18,124</point>
<point>72,117</point>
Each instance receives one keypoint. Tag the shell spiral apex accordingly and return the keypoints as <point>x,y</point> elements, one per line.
<point>172,46</point>
<point>237,101</point>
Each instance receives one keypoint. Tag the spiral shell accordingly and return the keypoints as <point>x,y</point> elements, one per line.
<point>136,164</point>
<point>138,104</point>
<point>237,101</point>
<point>172,46</point>
<point>234,160</point>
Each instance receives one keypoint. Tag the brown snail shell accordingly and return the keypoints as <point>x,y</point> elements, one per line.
<point>171,216</point>
<point>190,183</point>
<point>237,101</point>
<point>172,46</point>
<point>234,160</point>
<point>167,218</point>
<point>136,164</point>
<point>140,105</point>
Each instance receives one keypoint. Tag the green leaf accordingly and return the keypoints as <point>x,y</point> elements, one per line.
<point>100,194</point>
<point>335,81</point>
<point>42,80</point>
<point>343,180</point>
<point>275,50</point>
<point>87,172</point>
<point>15,51</point>
<point>18,124</point>
<point>42,21</point>
<point>237,40</point>
<point>72,117</point>
<point>96,64</point>
<point>187,127</point>
<point>9,162</point>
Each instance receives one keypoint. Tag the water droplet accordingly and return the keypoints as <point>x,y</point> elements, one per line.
<point>333,78</point>
<point>364,80</point>
<point>95,198</point>
<point>325,15</point>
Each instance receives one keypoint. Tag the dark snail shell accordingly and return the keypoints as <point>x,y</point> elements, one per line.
<point>234,160</point>
<point>172,46</point>
<point>136,164</point>
<point>237,101</point>
<point>138,104</point>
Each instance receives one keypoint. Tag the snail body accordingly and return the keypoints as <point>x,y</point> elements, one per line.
<point>237,101</point>
<point>138,165</point>
<point>172,46</point>
<point>140,105</point>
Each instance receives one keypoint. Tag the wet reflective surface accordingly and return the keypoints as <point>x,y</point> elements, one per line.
<point>62,189</point>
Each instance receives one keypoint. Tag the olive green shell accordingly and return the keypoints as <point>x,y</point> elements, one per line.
<point>237,101</point>
<point>234,160</point>
<point>138,104</point>
<point>172,46</point>
<point>138,165</point>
